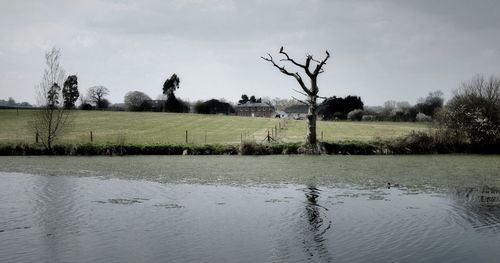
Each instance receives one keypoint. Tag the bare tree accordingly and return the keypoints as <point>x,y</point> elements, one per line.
<point>51,118</point>
<point>473,113</point>
<point>96,95</point>
<point>281,104</point>
<point>310,92</point>
<point>137,101</point>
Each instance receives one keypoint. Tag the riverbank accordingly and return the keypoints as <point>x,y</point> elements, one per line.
<point>411,144</point>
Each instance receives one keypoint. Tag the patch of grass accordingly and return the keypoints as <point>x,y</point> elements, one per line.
<point>156,128</point>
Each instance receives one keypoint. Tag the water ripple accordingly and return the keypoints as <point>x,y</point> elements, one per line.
<point>65,218</point>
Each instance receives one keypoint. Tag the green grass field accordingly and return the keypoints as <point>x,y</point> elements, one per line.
<point>156,127</point>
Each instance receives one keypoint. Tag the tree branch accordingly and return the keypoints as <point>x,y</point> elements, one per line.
<point>303,102</point>
<point>284,71</point>
<point>321,64</point>
<point>301,93</point>
<point>305,67</point>
<point>290,59</point>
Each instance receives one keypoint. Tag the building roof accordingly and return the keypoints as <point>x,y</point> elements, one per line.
<point>257,104</point>
<point>297,109</point>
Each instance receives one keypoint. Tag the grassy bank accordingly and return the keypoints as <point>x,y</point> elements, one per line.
<point>154,128</point>
<point>416,143</point>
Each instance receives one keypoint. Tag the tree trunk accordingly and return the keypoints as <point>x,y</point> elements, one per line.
<point>311,122</point>
<point>50,113</point>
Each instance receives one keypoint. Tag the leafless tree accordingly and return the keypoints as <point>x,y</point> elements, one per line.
<point>310,92</point>
<point>281,104</point>
<point>51,118</point>
<point>473,113</point>
<point>96,95</point>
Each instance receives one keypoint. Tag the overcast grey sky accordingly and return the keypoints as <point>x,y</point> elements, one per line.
<point>381,50</point>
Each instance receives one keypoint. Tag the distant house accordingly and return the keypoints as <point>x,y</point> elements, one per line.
<point>157,105</point>
<point>280,114</point>
<point>258,109</point>
<point>297,112</point>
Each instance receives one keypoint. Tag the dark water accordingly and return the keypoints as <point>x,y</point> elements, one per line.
<point>99,218</point>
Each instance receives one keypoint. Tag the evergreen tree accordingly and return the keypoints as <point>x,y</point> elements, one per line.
<point>172,104</point>
<point>70,91</point>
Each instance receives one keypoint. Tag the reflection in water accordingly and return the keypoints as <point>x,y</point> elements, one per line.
<point>480,206</point>
<point>56,213</point>
<point>74,219</point>
<point>318,224</point>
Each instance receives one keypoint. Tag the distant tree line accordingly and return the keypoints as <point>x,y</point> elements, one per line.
<point>350,107</point>
<point>426,109</point>
<point>139,101</point>
<point>213,106</point>
<point>339,108</point>
<point>252,99</point>
<point>11,103</point>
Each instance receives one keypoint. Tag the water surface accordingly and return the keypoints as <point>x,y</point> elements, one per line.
<point>250,209</point>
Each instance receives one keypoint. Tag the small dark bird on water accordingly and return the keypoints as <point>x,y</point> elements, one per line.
<point>389,185</point>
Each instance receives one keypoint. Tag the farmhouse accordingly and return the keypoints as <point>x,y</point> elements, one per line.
<point>258,109</point>
<point>297,112</point>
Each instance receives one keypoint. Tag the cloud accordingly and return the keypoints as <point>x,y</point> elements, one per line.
<point>381,49</point>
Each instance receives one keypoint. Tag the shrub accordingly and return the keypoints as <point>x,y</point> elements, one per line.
<point>350,147</point>
<point>251,148</point>
<point>338,116</point>
<point>355,115</point>
<point>85,106</point>
<point>473,114</point>
<point>415,142</point>
<point>369,118</point>
<point>422,117</point>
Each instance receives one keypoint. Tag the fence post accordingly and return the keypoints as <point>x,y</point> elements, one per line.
<point>36,137</point>
<point>321,135</point>
<point>241,139</point>
<point>275,131</point>
<point>91,137</point>
<point>205,136</point>
<point>268,137</point>
<point>186,136</point>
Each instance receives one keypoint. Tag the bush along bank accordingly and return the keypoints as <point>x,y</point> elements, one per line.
<point>415,143</point>
<point>117,150</point>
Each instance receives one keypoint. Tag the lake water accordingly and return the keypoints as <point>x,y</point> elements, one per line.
<point>250,209</point>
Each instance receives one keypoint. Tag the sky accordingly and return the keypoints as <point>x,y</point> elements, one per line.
<point>380,50</point>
